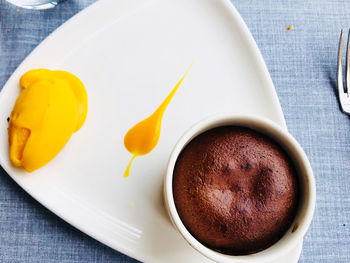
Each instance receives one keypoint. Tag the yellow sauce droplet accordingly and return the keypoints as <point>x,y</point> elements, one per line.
<point>127,171</point>
<point>144,136</point>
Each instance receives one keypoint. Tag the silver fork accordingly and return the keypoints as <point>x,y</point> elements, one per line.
<point>343,92</point>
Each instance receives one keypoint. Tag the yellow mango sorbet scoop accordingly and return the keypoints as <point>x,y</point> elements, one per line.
<point>50,108</point>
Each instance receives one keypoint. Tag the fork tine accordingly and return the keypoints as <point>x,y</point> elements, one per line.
<point>344,99</point>
<point>347,76</point>
<point>340,57</point>
<point>340,67</point>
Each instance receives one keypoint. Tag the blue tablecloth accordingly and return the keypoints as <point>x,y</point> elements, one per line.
<point>302,63</point>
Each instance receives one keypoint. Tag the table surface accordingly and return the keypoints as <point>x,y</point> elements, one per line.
<point>302,64</point>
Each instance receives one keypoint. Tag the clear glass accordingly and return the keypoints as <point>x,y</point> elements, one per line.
<point>35,4</point>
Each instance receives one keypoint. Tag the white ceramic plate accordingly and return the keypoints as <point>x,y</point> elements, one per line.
<point>130,54</point>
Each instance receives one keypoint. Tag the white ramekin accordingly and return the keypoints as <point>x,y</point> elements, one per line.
<point>306,182</point>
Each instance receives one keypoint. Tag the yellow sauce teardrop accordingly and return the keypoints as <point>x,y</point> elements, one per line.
<point>127,171</point>
<point>144,136</point>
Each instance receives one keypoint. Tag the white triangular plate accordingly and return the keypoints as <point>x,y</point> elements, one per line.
<point>130,54</point>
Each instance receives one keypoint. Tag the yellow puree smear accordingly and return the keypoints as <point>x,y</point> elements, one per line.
<point>50,108</point>
<point>143,137</point>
